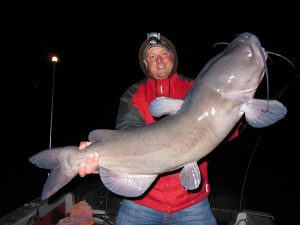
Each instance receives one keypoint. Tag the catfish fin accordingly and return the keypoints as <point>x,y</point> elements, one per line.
<point>101,134</point>
<point>50,159</point>
<point>190,176</point>
<point>129,185</point>
<point>165,106</point>
<point>55,181</point>
<point>262,113</point>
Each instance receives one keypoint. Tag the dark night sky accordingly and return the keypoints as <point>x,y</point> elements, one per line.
<point>99,61</point>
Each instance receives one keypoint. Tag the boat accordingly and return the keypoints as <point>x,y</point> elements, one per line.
<point>104,206</point>
<point>60,207</point>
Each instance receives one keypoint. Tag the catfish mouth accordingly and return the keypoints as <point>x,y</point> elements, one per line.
<point>264,53</point>
<point>243,92</point>
<point>264,56</point>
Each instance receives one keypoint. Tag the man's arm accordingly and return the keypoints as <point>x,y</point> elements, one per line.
<point>128,116</point>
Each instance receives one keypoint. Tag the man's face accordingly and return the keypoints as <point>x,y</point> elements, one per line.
<point>159,62</point>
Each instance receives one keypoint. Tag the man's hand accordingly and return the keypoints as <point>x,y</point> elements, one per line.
<point>91,164</point>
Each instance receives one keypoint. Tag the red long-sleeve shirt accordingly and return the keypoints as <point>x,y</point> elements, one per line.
<point>167,194</point>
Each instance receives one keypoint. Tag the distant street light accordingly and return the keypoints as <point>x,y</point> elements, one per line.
<point>54,60</point>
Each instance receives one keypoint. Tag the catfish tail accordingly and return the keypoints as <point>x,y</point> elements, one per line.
<point>51,159</point>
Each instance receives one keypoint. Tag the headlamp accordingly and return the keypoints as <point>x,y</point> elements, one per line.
<point>154,38</point>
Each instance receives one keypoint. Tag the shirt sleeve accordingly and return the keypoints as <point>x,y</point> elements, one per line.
<point>128,115</point>
<point>239,128</point>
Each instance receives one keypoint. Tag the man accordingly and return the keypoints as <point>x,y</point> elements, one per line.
<point>167,202</point>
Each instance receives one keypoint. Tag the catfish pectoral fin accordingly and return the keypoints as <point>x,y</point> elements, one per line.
<point>262,113</point>
<point>128,185</point>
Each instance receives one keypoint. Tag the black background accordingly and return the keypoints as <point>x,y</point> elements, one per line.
<point>97,46</point>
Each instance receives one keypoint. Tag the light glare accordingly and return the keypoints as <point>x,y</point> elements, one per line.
<point>54,59</point>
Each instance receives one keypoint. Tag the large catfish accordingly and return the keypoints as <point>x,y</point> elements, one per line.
<point>130,160</point>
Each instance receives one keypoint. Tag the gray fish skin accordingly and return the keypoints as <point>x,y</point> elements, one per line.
<point>130,160</point>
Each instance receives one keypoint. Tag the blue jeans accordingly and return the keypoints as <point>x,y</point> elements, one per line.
<point>131,213</point>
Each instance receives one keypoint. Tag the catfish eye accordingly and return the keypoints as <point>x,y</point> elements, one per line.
<point>249,54</point>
